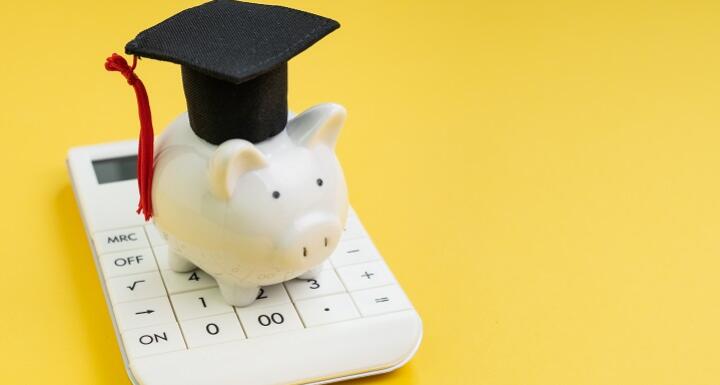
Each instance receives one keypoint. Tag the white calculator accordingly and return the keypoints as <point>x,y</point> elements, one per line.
<point>354,320</point>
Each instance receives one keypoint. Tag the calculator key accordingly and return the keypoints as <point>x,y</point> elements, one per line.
<point>355,251</point>
<point>264,320</point>
<point>212,330</point>
<point>353,229</point>
<point>325,283</point>
<point>119,240</point>
<point>272,295</point>
<point>161,256</point>
<point>182,282</point>
<point>200,303</point>
<point>137,314</point>
<point>380,300</point>
<point>153,340</point>
<point>325,310</point>
<point>155,236</point>
<point>135,287</point>
<point>128,262</point>
<point>365,275</point>
<point>326,265</point>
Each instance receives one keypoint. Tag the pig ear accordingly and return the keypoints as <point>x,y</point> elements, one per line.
<point>230,161</point>
<point>319,124</point>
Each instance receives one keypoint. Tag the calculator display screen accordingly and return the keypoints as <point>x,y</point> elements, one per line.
<point>115,169</point>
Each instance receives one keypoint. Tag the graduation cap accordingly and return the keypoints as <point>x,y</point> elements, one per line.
<point>233,57</point>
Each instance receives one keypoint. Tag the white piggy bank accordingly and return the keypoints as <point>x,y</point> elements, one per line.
<point>252,215</point>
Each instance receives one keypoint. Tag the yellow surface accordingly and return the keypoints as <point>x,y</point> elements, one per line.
<point>541,176</point>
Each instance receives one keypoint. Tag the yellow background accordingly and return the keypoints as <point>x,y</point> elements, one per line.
<point>541,176</point>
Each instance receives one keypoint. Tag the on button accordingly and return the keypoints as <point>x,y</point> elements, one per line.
<point>153,340</point>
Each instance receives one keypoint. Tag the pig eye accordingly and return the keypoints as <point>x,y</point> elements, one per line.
<point>276,194</point>
<point>319,182</point>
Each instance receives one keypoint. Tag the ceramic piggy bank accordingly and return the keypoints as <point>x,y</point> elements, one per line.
<point>244,193</point>
<point>252,215</point>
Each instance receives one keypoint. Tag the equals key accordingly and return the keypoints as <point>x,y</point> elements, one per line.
<point>381,300</point>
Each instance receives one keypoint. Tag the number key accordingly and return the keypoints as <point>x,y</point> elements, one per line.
<point>272,295</point>
<point>182,282</point>
<point>200,303</point>
<point>212,330</point>
<point>154,235</point>
<point>264,320</point>
<point>325,283</point>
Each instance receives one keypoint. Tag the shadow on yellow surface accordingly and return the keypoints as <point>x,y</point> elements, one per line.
<point>103,355</point>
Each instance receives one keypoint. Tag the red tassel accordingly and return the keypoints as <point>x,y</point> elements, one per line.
<point>147,136</point>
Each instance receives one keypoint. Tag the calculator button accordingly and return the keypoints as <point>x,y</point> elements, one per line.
<point>325,310</point>
<point>200,303</point>
<point>355,251</point>
<point>353,229</point>
<point>153,340</point>
<point>212,330</point>
<point>365,275</point>
<point>137,314</point>
<point>119,240</point>
<point>326,265</point>
<point>272,295</point>
<point>161,256</point>
<point>380,300</point>
<point>127,262</point>
<point>264,320</point>
<point>182,282</point>
<point>155,236</point>
<point>135,287</point>
<point>325,283</point>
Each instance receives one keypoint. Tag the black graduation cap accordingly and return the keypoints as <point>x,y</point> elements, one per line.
<point>233,57</point>
<point>234,63</point>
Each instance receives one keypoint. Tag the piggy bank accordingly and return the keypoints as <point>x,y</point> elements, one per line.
<point>248,214</point>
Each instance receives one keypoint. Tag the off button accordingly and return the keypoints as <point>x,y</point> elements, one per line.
<point>128,262</point>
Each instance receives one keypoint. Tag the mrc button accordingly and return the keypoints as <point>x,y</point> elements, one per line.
<point>119,240</point>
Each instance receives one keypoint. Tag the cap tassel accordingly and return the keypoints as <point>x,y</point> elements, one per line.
<point>147,136</point>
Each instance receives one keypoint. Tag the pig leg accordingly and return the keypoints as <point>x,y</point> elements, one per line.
<point>238,295</point>
<point>311,274</point>
<point>178,263</point>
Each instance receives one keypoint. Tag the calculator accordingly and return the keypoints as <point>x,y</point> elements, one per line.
<point>352,320</point>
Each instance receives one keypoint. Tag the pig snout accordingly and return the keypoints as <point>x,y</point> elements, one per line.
<point>313,238</point>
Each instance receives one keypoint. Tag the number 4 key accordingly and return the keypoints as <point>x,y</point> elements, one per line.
<point>182,282</point>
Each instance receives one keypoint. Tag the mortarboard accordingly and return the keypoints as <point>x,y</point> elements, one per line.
<point>233,57</point>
